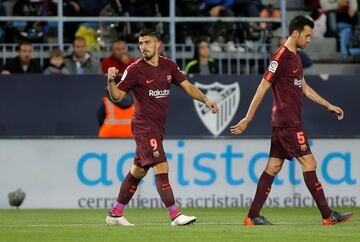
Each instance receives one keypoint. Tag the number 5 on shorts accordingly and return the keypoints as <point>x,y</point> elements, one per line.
<point>300,137</point>
<point>153,144</point>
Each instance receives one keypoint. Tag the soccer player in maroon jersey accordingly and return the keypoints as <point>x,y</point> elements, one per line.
<point>150,79</point>
<point>285,76</point>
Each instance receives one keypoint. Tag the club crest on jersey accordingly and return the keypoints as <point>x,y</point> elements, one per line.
<point>156,153</point>
<point>227,97</point>
<point>297,82</point>
<point>168,78</point>
<point>303,147</point>
<point>273,66</point>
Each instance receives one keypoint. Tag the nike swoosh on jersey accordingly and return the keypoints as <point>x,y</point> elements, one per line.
<point>149,81</point>
<point>294,71</point>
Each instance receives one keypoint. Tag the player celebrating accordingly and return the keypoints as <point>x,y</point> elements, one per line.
<point>150,78</point>
<point>285,76</point>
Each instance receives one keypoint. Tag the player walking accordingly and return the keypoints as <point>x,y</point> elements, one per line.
<point>150,78</point>
<point>285,76</point>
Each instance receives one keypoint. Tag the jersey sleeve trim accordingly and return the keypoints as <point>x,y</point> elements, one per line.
<point>278,55</point>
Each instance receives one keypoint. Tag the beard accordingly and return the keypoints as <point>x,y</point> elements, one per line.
<point>147,55</point>
<point>299,46</point>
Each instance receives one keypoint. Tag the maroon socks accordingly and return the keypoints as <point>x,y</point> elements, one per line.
<point>262,192</point>
<point>129,186</point>
<point>164,189</point>
<point>127,189</point>
<point>317,192</point>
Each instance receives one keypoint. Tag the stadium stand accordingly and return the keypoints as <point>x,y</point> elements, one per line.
<point>249,53</point>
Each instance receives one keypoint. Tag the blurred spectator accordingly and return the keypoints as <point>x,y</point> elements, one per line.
<point>185,8</point>
<point>84,7</point>
<point>57,65</point>
<point>319,17</point>
<point>23,63</point>
<point>354,43</point>
<point>143,8</point>
<point>202,63</point>
<point>34,31</point>
<point>119,57</point>
<point>254,8</point>
<point>339,12</point>
<point>220,32</point>
<point>342,16</point>
<point>247,8</point>
<point>2,24</point>
<point>269,12</point>
<point>78,8</point>
<point>114,118</point>
<point>90,36</point>
<point>80,61</point>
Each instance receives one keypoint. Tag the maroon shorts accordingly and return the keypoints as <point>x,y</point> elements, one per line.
<point>287,143</point>
<point>149,149</point>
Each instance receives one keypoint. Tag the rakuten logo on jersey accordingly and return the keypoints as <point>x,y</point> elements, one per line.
<point>159,93</point>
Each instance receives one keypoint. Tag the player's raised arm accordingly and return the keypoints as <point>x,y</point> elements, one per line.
<point>115,93</point>
<point>195,93</point>
<point>257,99</point>
<point>315,97</point>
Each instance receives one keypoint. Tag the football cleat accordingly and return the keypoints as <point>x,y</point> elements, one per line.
<point>256,221</point>
<point>182,220</point>
<point>121,221</point>
<point>115,217</point>
<point>337,218</point>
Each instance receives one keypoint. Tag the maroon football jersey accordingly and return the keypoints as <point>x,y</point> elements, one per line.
<point>151,88</point>
<point>285,72</point>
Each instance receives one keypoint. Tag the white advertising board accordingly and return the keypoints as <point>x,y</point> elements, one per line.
<point>86,173</point>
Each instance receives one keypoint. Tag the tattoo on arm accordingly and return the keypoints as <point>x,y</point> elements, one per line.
<point>315,97</point>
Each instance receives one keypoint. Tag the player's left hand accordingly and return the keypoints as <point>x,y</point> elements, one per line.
<point>336,110</point>
<point>239,127</point>
<point>213,107</point>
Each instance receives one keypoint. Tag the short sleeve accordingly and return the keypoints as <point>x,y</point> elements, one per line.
<point>128,80</point>
<point>177,76</point>
<point>273,69</point>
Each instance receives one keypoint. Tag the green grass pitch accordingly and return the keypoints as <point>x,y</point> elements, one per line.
<point>153,225</point>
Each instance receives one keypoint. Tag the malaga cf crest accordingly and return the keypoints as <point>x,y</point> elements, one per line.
<point>227,97</point>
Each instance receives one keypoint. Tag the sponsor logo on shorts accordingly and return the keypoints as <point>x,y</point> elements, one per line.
<point>159,93</point>
<point>273,66</point>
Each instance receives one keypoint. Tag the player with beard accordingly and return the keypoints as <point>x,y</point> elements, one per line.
<point>285,76</point>
<point>150,79</point>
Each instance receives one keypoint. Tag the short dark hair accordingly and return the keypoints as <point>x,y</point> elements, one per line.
<point>197,43</point>
<point>56,52</point>
<point>149,32</point>
<point>23,43</point>
<point>298,23</point>
<point>79,38</point>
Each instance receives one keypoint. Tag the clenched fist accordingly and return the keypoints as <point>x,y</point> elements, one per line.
<point>112,73</point>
